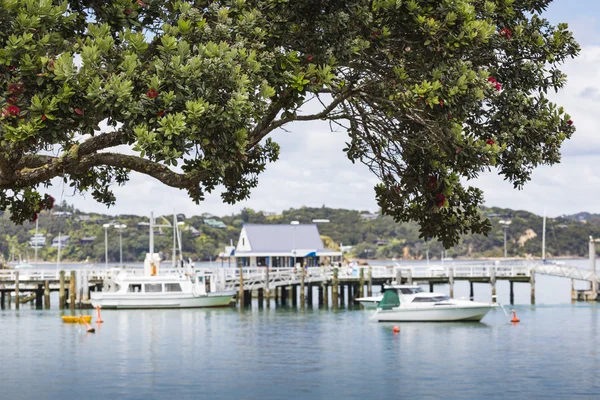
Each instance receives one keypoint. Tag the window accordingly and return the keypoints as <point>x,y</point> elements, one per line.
<point>261,261</point>
<point>172,287</point>
<point>135,288</point>
<point>153,287</point>
<point>411,290</point>
<point>243,242</point>
<point>430,299</point>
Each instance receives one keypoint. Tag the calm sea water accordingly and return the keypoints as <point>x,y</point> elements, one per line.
<point>284,352</point>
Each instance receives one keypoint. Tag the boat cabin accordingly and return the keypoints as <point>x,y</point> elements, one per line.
<point>394,295</point>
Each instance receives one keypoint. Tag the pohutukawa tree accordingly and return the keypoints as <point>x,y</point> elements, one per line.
<point>430,92</point>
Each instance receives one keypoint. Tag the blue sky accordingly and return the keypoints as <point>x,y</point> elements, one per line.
<point>313,170</point>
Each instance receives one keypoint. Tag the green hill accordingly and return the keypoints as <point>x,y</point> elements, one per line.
<point>370,235</point>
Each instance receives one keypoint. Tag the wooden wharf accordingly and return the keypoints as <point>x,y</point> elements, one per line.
<point>330,285</point>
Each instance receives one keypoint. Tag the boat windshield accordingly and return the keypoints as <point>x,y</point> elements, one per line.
<point>411,290</point>
<point>433,299</point>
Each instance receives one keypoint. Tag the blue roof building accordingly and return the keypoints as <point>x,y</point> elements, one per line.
<point>283,246</point>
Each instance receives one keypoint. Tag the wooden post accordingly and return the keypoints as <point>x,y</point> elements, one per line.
<point>47,295</point>
<point>361,282</point>
<point>302,276</point>
<point>325,294</point>
<point>320,290</point>
<point>573,293</point>
<point>8,300</point>
<point>334,289</point>
<point>276,292</point>
<point>17,290</point>
<point>310,294</point>
<point>283,296</point>
<point>290,293</point>
<point>241,288</point>
<point>2,304</point>
<point>409,277</point>
<point>398,277</point>
<point>451,280</point>
<point>532,283</point>
<point>61,291</point>
<point>247,298</point>
<point>295,295</point>
<point>72,292</point>
<point>260,298</point>
<point>493,282</point>
<point>471,293</point>
<point>370,282</point>
<point>39,294</point>
<point>512,293</point>
<point>342,294</point>
<point>430,287</point>
<point>267,290</point>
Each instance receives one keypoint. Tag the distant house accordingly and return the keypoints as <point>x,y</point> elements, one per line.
<point>369,216</point>
<point>282,246</point>
<point>62,214</point>
<point>213,223</point>
<point>64,240</point>
<point>195,232</point>
<point>38,240</point>
<point>381,242</point>
<point>87,240</point>
<point>84,217</point>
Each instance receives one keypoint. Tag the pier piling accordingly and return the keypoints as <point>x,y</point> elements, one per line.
<point>342,294</point>
<point>47,295</point>
<point>310,293</point>
<point>361,289</point>
<point>334,289</point>
<point>39,294</point>
<point>471,293</point>
<point>2,303</point>
<point>302,276</point>
<point>398,277</point>
<point>267,290</point>
<point>409,277</point>
<point>72,291</point>
<point>451,280</point>
<point>61,291</point>
<point>17,290</point>
<point>532,283</point>
<point>295,295</point>
<point>325,295</point>
<point>493,283</point>
<point>370,282</point>
<point>260,298</point>
<point>430,287</point>
<point>512,293</point>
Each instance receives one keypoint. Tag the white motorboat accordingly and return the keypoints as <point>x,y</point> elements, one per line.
<point>410,303</point>
<point>179,288</point>
<point>369,303</point>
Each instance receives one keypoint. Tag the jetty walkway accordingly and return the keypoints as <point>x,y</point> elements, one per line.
<point>291,285</point>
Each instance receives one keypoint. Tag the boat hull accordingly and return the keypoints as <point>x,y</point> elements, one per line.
<point>118,301</point>
<point>432,314</point>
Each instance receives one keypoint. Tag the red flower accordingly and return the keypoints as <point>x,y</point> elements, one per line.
<point>161,113</point>
<point>492,79</point>
<point>78,111</point>
<point>15,88</point>
<point>309,57</point>
<point>13,99</point>
<point>490,142</point>
<point>48,202</point>
<point>498,87</point>
<point>141,3</point>
<point>11,68</point>
<point>507,33</point>
<point>442,103</point>
<point>13,110</point>
<point>570,122</point>
<point>128,11</point>
<point>440,200</point>
<point>44,117</point>
<point>152,93</point>
<point>432,182</point>
<point>34,218</point>
<point>458,150</point>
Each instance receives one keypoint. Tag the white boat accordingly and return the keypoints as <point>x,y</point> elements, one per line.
<point>410,303</point>
<point>179,288</point>
<point>369,303</point>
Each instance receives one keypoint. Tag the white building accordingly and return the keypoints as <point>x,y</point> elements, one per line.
<point>282,246</point>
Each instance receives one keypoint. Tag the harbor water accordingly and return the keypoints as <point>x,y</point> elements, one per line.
<point>308,353</point>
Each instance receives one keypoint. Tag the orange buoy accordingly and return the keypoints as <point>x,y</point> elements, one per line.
<point>98,317</point>
<point>514,318</point>
<point>88,326</point>
<point>396,329</point>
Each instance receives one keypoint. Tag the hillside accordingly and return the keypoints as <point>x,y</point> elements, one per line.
<point>369,235</point>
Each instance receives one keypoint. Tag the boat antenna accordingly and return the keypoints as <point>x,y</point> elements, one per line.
<point>544,237</point>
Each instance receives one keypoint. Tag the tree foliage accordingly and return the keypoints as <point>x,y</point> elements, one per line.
<point>431,93</point>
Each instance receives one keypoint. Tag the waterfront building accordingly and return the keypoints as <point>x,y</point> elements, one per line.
<point>283,246</point>
<point>64,240</point>
<point>38,240</point>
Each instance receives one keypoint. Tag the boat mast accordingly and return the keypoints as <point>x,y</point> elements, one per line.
<point>58,253</point>
<point>151,233</point>
<point>174,240</point>
<point>36,244</point>
<point>544,237</point>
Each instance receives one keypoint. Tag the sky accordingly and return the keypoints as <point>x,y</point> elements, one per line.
<point>313,170</point>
